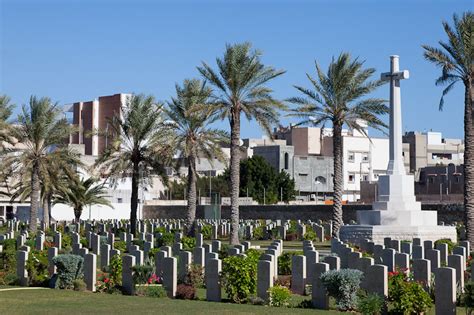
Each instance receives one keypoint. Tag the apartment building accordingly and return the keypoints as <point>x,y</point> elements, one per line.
<point>94,115</point>
<point>431,149</point>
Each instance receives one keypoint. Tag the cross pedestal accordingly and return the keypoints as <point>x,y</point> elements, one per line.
<point>396,213</point>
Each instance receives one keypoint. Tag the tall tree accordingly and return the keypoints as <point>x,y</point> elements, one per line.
<point>456,60</point>
<point>56,167</point>
<point>6,108</point>
<point>240,81</point>
<point>140,147</point>
<point>42,131</point>
<point>337,97</point>
<point>194,138</point>
<point>81,193</point>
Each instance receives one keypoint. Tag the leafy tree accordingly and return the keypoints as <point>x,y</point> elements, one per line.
<point>456,60</point>
<point>81,193</point>
<point>141,146</point>
<point>336,97</point>
<point>42,132</point>
<point>240,88</point>
<point>257,175</point>
<point>194,138</point>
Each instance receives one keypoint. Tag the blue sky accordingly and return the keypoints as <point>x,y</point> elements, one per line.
<point>79,50</point>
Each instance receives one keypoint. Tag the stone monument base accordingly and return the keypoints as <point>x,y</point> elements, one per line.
<point>376,233</point>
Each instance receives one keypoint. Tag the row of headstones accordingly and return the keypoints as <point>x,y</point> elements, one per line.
<point>173,265</point>
<point>448,279</point>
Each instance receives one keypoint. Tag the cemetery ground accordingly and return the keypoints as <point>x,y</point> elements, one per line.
<point>52,301</point>
<point>99,267</point>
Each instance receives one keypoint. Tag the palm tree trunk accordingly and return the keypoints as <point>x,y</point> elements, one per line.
<point>191,191</point>
<point>469,159</point>
<point>337,179</point>
<point>45,211</point>
<point>134,199</point>
<point>34,198</point>
<point>77,214</point>
<point>234,176</point>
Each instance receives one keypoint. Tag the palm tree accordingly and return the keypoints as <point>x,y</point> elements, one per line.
<point>240,82</point>
<point>57,166</point>
<point>194,137</point>
<point>5,112</point>
<point>43,134</point>
<point>81,193</point>
<point>139,147</point>
<point>456,60</point>
<point>336,97</point>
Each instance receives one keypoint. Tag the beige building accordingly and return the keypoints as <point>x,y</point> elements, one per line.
<point>431,149</point>
<point>94,115</point>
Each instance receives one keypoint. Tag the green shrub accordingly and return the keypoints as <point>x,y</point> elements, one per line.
<point>253,255</point>
<point>370,304</point>
<point>8,256</point>
<point>407,297</point>
<point>152,252</point>
<point>160,229</point>
<point>195,276</point>
<point>121,246</point>
<point>224,251</point>
<point>259,233</point>
<point>284,262</point>
<point>239,277</point>
<point>79,285</point>
<point>166,239</point>
<point>448,242</point>
<point>115,269</point>
<point>468,297</point>
<point>343,285</point>
<point>310,236</point>
<point>292,228</point>
<point>156,291</point>
<point>143,272</point>
<point>69,268</point>
<point>188,243</point>
<point>66,241</point>
<point>279,296</point>
<point>37,267</point>
<point>206,231</point>
<point>8,278</point>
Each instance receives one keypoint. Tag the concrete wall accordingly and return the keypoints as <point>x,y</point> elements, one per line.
<point>283,212</point>
<point>448,214</point>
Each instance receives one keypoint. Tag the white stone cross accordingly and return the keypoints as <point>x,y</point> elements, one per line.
<point>395,165</point>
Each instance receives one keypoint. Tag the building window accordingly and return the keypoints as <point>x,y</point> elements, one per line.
<point>302,175</point>
<point>119,200</point>
<point>431,180</point>
<point>320,180</point>
<point>350,157</point>
<point>365,157</point>
<point>351,178</point>
<point>365,178</point>
<point>457,180</point>
<point>287,162</point>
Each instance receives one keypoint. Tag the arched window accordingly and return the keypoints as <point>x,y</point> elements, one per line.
<point>287,162</point>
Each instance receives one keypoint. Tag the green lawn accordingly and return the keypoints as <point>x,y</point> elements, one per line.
<point>69,302</point>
